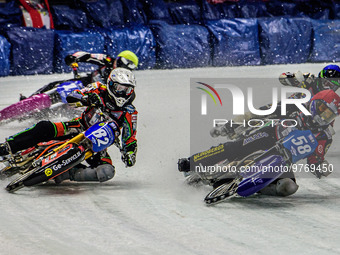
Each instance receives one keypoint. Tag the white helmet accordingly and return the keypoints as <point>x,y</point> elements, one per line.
<point>120,85</point>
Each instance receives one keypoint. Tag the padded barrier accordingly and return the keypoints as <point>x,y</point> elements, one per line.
<point>187,12</point>
<point>102,13</point>
<point>10,13</point>
<point>253,9</point>
<point>235,42</point>
<point>285,41</point>
<point>326,46</point>
<point>138,39</point>
<point>156,10</point>
<point>180,46</point>
<point>67,43</point>
<point>219,11</point>
<point>67,18</point>
<point>4,56</point>
<point>31,50</point>
<point>133,12</point>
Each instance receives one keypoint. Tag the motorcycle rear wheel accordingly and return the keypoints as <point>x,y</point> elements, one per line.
<point>222,192</point>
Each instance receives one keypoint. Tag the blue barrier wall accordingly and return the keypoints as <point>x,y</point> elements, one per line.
<point>67,43</point>
<point>185,13</point>
<point>181,45</point>
<point>102,13</point>
<point>175,34</point>
<point>234,42</point>
<point>31,50</point>
<point>326,42</point>
<point>285,41</point>
<point>10,13</point>
<point>67,18</point>
<point>4,56</point>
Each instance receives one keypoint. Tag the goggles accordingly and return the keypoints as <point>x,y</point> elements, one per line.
<point>126,63</point>
<point>120,88</point>
<point>325,113</point>
<point>332,84</point>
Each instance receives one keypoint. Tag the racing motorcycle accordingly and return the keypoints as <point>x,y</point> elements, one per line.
<point>46,161</point>
<point>259,169</point>
<point>48,99</point>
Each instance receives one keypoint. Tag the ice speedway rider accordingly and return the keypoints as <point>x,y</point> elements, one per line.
<point>115,99</point>
<point>324,107</point>
<point>328,78</point>
<point>106,63</point>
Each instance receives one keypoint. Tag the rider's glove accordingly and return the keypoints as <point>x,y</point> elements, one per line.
<point>94,100</point>
<point>289,79</point>
<point>70,59</point>
<point>129,156</point>
<point>225,130</point>
<point>108,61</point>
<point>322,169</point>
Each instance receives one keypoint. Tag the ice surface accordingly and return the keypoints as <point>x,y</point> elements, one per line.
<point>148,209</point>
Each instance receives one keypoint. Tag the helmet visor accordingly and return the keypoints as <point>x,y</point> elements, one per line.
<point>331,83</point>
<point>325,113</point>
<point>125,63</point>
<point>120,89</point>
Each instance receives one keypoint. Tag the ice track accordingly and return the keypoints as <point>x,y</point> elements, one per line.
<point>148,209</point>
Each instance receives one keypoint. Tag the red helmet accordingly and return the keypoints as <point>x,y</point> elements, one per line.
<point>325,106</point>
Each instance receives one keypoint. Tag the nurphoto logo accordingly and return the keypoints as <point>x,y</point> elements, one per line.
<point>239,99</point>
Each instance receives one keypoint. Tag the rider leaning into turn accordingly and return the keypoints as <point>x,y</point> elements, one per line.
<point>115,99</point>
<point>328,78</point>
<point>106,63</point>
<point>324,107</point>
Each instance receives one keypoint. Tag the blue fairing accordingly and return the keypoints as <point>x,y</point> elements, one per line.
<point>67,87</point>
<point>101,135</point>
<point>300,144</point>
<point>257,180</point>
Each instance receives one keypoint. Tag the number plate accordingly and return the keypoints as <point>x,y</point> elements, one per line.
<point>101,135</point>
<point>301,144</point>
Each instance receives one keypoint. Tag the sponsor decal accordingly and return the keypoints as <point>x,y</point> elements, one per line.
<point>134,118</point>
<point>293,151</point>
<point>130,109</point>
<point>48,171</point>
<point>65,162</point>
<point>254,137</point>
<point>212,151</point>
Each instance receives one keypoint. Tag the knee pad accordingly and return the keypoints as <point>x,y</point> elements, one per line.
<point>84,175</point>
<point>286,187</point>
<point>105,172</point>
<point>100,173</point>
